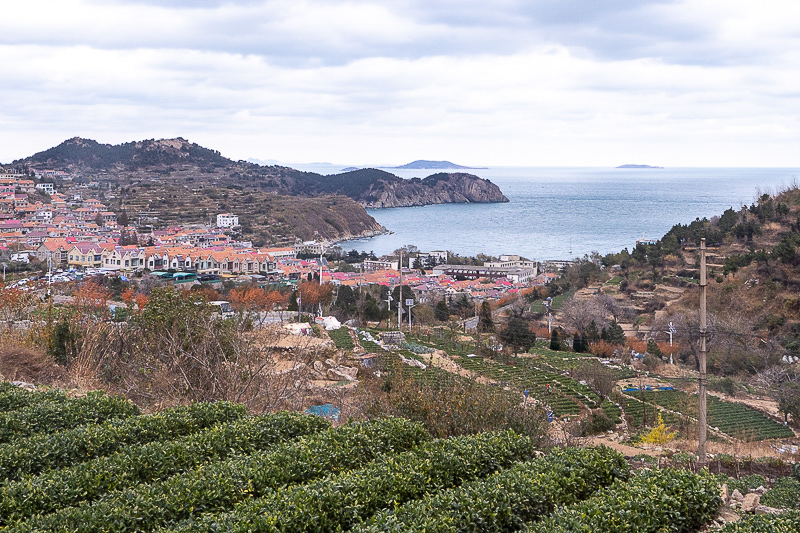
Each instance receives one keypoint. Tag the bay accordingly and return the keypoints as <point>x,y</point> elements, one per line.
<point>564,213</point>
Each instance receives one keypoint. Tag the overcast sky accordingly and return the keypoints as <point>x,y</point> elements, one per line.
<point>502,82</point>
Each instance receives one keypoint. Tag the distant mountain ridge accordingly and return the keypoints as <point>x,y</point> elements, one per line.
<point>185,162</point>
<point>637,166</point>
<point>424,164</point>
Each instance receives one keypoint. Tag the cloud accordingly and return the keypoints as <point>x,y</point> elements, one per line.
<point>525,82</point>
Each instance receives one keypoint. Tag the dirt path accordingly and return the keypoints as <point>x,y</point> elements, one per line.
<point>624,449</point>
<point>440,359</point>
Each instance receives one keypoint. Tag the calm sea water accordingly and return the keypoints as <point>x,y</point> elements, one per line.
<point>562,213</point>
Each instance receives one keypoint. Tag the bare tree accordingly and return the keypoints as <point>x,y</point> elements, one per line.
<point>576,314</point>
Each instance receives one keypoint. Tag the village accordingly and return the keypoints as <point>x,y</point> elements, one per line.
<point>75,234</point>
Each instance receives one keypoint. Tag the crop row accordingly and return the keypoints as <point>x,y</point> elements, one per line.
<point>638,410</point>
<point>42,452</point>
<point>218,486</point>
<point>341,338</point>
<point>339,502</point>
<point>509,499</point>
<point>653,501</point>
<point>524,378</point>
<point>732,418</point>
<point>50,417</point>
<point>13,397</point>
<point>147,463</point>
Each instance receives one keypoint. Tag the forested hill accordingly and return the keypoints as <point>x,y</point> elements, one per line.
<point>183,162</point>
<point>377,188</point>
<point>753,260</point>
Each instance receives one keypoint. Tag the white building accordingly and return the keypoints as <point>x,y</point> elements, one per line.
<point>46,187</point>
<point>227,220</point>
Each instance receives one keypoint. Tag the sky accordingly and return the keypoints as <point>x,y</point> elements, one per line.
<point>483,83</point>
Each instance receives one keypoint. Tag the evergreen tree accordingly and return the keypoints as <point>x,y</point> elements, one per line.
<point>577,344</point>
<point>592,334</point>
<point>292,302</point>
<point>517,335</point>
<point>615,333</point>
<point>122,219</point>
<point>555,342</point>
<point>346,301</point>
<point>485,320</point>
<point>653,349</point>
<point>441,312</point>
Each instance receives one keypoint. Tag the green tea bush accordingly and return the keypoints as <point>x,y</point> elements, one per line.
<point>67,413</point>
<point>147,463</point>
<point>216,487</point>
<point>13,397</point>
<point>509,499</point>
<point>747,483</point>
<point>788,522</point>
<point>784,494</point>
<point>42,452</point>
<point>652,501</point>
<point>339,502</point>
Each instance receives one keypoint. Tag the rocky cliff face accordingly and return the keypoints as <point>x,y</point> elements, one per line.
<point>442,188</point>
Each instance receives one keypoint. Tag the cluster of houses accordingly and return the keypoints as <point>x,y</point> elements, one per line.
<point>21,212</point>
<point>83,234</point>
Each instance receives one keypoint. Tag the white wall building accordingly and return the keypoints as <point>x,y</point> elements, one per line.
<point>227,220</point>
<point>46,187</point>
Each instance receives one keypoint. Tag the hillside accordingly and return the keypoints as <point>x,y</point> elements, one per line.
<point>183,162</point>
<point>753,272</point>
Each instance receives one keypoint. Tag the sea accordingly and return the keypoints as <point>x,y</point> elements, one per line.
<point>566,213</point>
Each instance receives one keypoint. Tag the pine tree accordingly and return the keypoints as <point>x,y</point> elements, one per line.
<point>485,320</point>
<point>577,344</point>
<point>555,342</point>
<point>441,312</point>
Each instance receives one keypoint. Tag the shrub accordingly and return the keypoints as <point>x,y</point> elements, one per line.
<point>65,413</point>
<point>508,499</point>
<point>218,486</point>
<point>340,502</point>
<point>652,501</point>
<point>785,494</point>
<point>43,452</point>
<point>151,462</point>
<point>788,522</point>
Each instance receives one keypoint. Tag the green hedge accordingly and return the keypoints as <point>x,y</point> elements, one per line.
<point>509,499</point>
<point>339,502</point>
<point>784,494</point>
<point>217,487</point>
<point>42,452</point>
<point>151,462</point>
<point>68,413</point>
<point>656,501</point>
<point>787,522</point>
<point>13,397</point>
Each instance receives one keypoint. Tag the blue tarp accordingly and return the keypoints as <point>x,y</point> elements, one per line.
<point>325,411</point>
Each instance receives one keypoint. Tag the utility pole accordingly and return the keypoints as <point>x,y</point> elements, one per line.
<point>701,419</point>
<point>400,294</point>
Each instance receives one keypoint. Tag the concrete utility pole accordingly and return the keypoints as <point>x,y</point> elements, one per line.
<point>400,294</point>
<point>701,418</point>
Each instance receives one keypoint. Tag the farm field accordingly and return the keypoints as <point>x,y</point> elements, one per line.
<point>733,419</point>
<point>543,373</point>
<point>212,467</point>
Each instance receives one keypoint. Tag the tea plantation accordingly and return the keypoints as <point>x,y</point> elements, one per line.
<point>95,464</point>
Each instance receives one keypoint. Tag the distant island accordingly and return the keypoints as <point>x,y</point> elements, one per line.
<point>425,165</point>
<point>637,166</point>
<point>350,169</point>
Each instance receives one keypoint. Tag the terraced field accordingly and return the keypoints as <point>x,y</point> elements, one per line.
<point>211,467</point>
<point>733,419</point>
